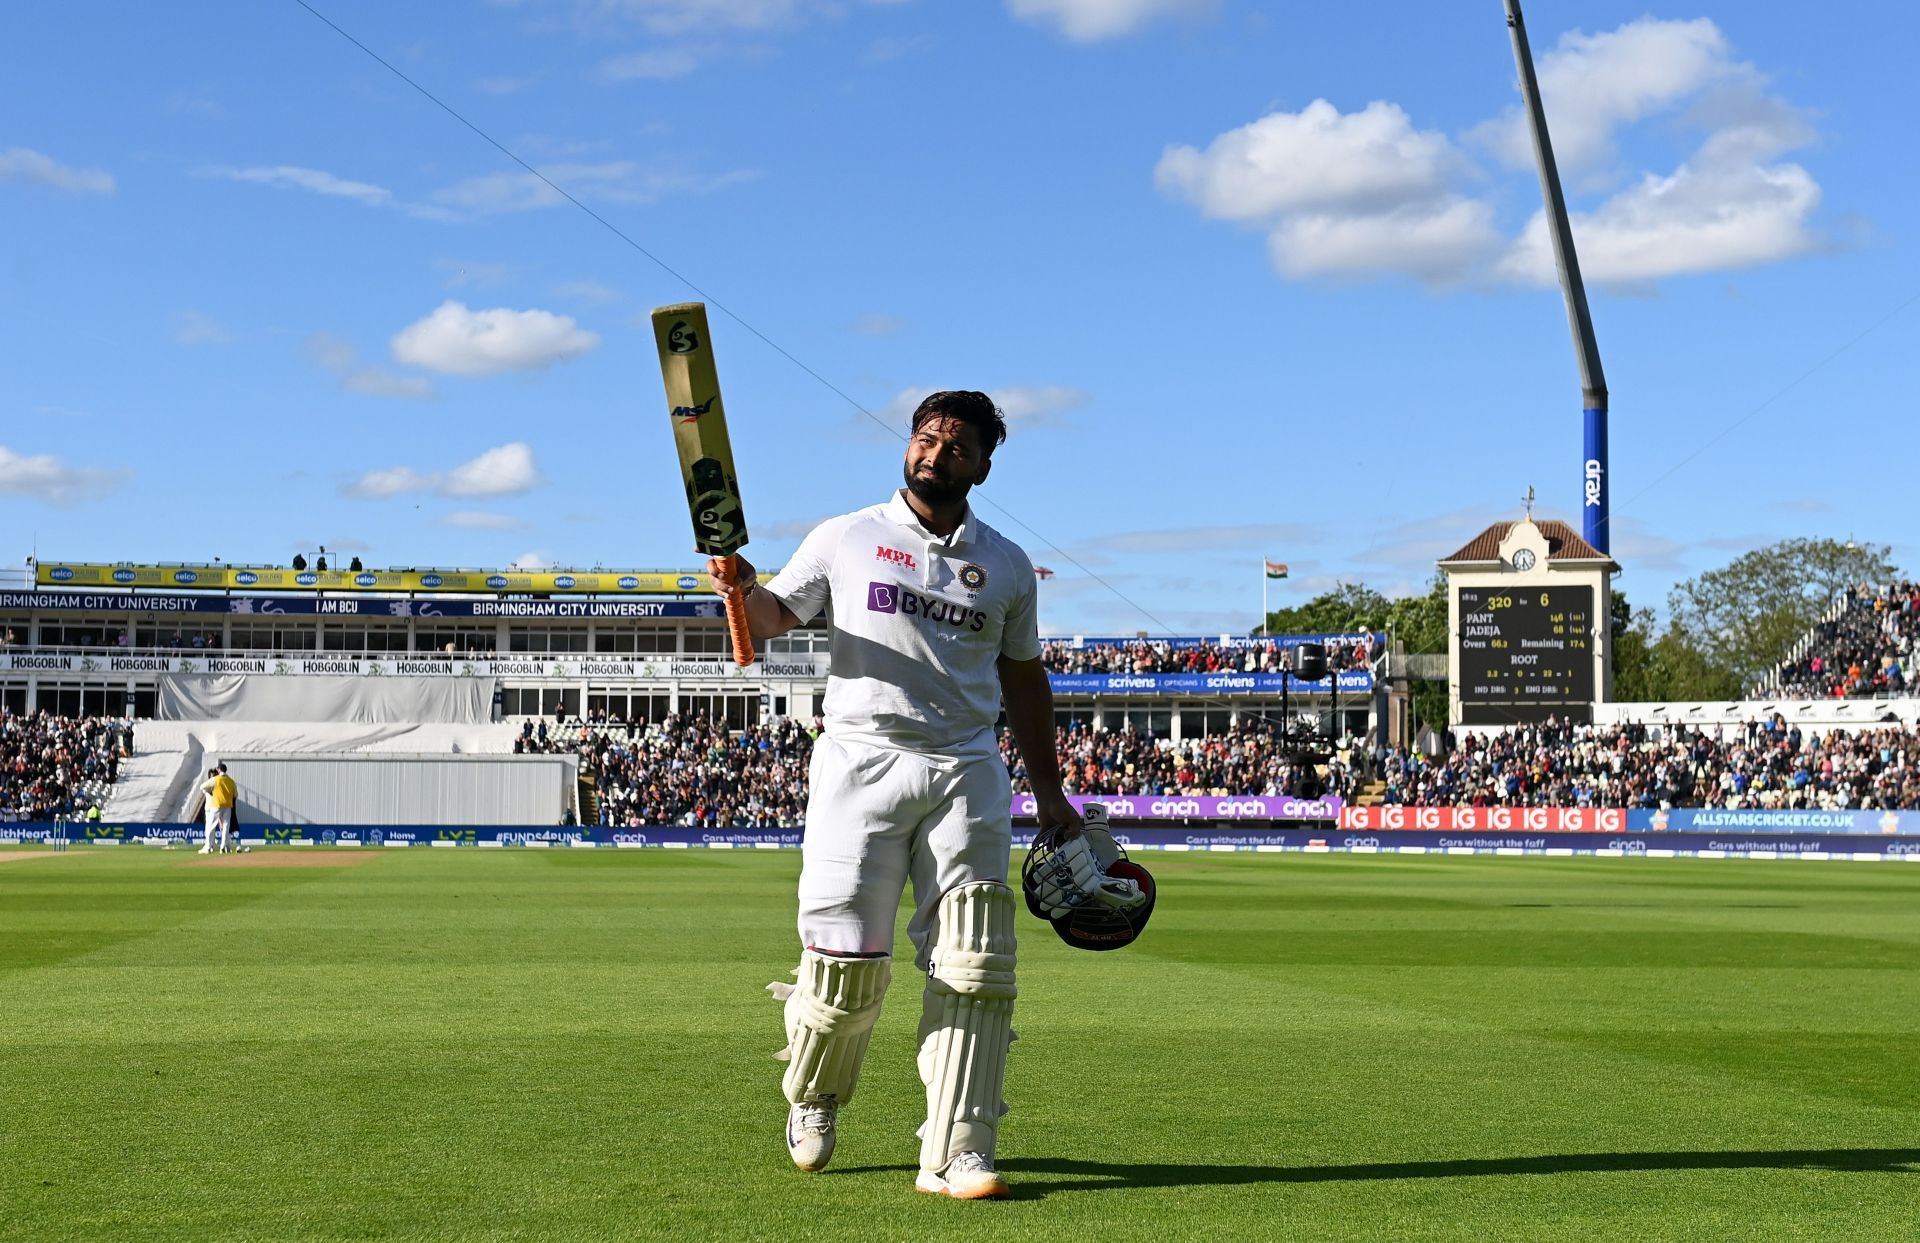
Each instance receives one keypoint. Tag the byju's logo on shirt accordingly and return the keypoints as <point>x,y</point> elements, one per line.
<point>893,598</point>
<point>893,556</point>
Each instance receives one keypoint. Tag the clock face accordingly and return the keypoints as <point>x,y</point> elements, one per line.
<point>1523,560</point>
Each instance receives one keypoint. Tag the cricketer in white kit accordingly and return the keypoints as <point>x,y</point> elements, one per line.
<point>934,627</point>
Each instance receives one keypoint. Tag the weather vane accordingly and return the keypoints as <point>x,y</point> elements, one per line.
<point>1528,500</point>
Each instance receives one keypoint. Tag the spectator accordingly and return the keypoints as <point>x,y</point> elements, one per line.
<point>51,765</point>
<point>1755,765</point>
<point>1866,652</point>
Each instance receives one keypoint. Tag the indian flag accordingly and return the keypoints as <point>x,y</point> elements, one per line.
<point>1276,569</point>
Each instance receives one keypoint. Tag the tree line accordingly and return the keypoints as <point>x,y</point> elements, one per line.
<point>1725,629</point>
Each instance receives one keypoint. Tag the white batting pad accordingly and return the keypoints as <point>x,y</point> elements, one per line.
<point>967,1022</point>
<point>831,1009</point>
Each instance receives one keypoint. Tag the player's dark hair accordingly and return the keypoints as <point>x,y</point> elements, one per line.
<point>975,409</point>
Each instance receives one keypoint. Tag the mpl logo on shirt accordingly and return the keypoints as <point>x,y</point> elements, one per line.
<point>893,556</point>
<point>893,598</point>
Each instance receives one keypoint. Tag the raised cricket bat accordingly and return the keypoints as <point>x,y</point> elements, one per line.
<point>706,457</point>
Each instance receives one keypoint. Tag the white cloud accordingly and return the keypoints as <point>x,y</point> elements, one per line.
<point>534,560</point>
<point>1313,160</point>
<point>198,328</point>
<point>1439,242</point>
<point>481,520</point>
<point>504,471</point>
<point>1030,405</point>
<point>657,65</point>
<point>586,291</point>
<point>314,180</point>
<point>24,164</point>
<point>1085,21</point>
<point>502,86</point>
<point>1592,84</point>
<point>392,481</point>
<point>1709,215</point>
<point>45,477</point>
<point>679,16</point>
<point>1368,193</point>
<point>1357,193</point>
<point>612,181</point>
<point>878,325</point>
<point>337,356</point>
<point>455,340</point>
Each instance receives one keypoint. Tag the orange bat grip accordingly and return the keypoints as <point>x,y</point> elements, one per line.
<point>736,601</point>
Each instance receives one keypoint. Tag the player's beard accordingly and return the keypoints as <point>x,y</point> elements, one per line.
<point>936,491</point>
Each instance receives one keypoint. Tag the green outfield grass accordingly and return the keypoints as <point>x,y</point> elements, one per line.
<point>440,1044</point>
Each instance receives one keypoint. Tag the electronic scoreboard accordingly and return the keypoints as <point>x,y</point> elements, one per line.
<point>1525,653</point>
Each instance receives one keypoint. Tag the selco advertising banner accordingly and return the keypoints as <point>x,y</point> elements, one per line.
<point>809,666</point>
<point>472,582</point>
<point>294,606</point>
<point>1634,820</point>
<point>1196,806</point>
<point>1199,683</point>
<point>1133,837</point>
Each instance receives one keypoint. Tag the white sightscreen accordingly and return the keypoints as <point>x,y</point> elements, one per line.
<point>402,789</point>
<point>264,697</point>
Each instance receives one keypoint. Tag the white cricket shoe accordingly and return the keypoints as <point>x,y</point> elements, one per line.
<point>810,1135</point>
<point>205,850</point>
<point>969,1176</point>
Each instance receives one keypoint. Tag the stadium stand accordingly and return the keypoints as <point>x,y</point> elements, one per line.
<point>1758,764</point>
<point>684,770</point>
<point>58,766</point>
<point>1192,656</point>
<point>1244,760</point>
<point>1864,650</point>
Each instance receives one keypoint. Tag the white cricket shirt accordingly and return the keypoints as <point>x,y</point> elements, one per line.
<point>919,621</point>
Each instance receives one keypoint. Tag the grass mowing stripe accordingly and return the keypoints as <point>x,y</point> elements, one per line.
<point>573,1045</point>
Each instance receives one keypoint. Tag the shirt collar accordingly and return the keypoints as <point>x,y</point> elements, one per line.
<point>902,513</point>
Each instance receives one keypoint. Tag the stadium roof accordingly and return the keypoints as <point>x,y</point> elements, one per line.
<point>1564,544</point>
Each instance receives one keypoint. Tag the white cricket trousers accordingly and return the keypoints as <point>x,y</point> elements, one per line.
<point>877,818</point>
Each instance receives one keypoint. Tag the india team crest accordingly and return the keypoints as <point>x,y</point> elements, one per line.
<point>972,577</point>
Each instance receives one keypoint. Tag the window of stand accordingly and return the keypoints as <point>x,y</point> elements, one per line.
<point>539,700</point>
<point>705,641</point>
<point>357,636</point>
<point>262,635</point>
<point>621,703</point>
<point>541,639</point>
<point>1073,712</point>
<point>79,699</point>
<point>1199,720</point>
<point>1157,721</point>
<point>799,642</point>
<point>612,638</point>
<point>735,709</point>
<point>14,696</point>
<point>466,640</point>
<point>78,634</point>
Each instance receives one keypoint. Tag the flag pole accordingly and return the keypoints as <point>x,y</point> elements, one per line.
<point>1263,595</point>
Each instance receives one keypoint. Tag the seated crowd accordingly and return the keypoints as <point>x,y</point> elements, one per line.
<point>1868,651</point>
<point>1160,656</point>
<point>687,771</point>
<point>1761,764</point>
<point>47,760</point>
<point>1245,760</point>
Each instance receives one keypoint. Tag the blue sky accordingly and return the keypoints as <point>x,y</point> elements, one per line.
<point>1252,279</point>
